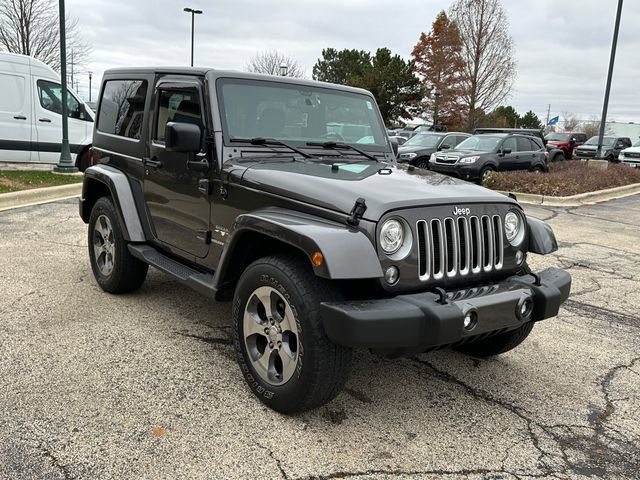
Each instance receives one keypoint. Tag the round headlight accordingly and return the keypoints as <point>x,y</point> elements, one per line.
<point>391,236</point>
<point>514,228</point>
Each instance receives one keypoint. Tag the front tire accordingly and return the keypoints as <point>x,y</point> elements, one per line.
<point>423,163</point>
<point>284,354</point>
<point>114,268</point>
<point>497,344</point>
<point>485,175</point>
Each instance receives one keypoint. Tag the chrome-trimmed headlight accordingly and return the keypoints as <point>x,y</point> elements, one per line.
<point>514,227</point>
<point>391,236</point>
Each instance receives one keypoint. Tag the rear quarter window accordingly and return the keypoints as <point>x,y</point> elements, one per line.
<point>121,110</point>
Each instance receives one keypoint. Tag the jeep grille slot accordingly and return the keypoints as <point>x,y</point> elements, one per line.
<point>458,247</point>
<point>423,250</point>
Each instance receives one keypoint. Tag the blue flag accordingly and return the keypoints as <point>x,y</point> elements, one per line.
<point>554,121</point>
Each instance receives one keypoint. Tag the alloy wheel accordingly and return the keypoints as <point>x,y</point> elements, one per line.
<point>271,335</point>
<point>103,245</point>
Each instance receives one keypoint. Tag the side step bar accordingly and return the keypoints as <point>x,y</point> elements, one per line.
<point>199,281</point>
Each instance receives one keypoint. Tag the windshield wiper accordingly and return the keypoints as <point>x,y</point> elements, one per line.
<point>344,146</point>
<point>270,141</point>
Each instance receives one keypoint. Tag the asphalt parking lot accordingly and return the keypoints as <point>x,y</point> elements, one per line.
<point>94,386</point>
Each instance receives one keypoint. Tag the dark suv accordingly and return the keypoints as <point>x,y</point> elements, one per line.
<point>611,148</point>
<point>480,155</point>
<point>419,148</point>
<point>566,141</point>
<point>245,188</point>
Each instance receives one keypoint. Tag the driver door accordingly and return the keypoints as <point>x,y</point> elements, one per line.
<point>177,196</point>
<point>509,161</point>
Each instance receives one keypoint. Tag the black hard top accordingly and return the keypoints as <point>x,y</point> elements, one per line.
<point>213,74</point>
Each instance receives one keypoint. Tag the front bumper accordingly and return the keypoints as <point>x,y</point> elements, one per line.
<point>466,172</point>
<point>420,321</point>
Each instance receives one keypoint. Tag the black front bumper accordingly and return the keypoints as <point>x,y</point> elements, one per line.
<point>423,321</point>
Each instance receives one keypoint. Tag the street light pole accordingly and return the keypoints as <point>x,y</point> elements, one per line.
<point>435,110</point>
<point>612,59</point>
<point>90,75</point>
<point>65,164</point>
<point>193,14</point>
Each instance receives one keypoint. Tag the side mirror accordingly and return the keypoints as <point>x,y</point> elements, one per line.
<point>445,147</point>
<point>505,151</point>
<point>182,137</point>
<point>394,146</point>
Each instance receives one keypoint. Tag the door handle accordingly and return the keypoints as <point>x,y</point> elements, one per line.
<point>20,117</point>
<point>152,162</point>
<point>45,120</point>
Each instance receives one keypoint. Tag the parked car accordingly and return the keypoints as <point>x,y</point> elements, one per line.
<point>410,132</point>
<point>478,156</point>
<point>233,188</point>
<point>419,148</point>
<point>555,154</point>
<point>566,141</point>
<point>31,114</point>
<point>611,148</point>
<point>631,155</point>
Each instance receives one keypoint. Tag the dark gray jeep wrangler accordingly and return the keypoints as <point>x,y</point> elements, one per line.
<point>284,196</point>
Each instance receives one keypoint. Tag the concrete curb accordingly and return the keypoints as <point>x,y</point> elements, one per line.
<point>36,196</point>
<point>580,199</point>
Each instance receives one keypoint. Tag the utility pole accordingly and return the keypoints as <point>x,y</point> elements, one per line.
<point>193,14</point>
<point>548,115</point>
<point>65,165</point>
<point>612,59</point>
<point>72,62</point>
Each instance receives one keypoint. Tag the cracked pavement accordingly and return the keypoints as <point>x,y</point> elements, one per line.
<point>145,385</point>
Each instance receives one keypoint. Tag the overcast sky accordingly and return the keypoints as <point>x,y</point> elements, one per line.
<point>562,46</point>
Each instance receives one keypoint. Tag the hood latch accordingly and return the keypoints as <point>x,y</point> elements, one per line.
<point>357,212</point>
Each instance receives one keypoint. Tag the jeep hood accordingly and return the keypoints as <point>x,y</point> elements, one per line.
<point>384,186</point>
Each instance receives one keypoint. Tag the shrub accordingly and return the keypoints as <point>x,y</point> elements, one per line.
<point>565,178</point>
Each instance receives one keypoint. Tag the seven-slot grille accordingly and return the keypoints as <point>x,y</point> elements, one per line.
<point>459,246</point>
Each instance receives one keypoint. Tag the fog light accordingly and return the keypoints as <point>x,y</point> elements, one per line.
<point>391,275</point>
<point>470,320</point>
<point>525,309</point>
<point>519,257</point>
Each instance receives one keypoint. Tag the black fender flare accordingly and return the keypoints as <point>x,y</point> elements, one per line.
<point>542,240</point>
<point>118,185</point>
<point>348,253</point>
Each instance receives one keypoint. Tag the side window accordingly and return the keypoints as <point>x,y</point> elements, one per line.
<point>525,145</point>
<point>177,106</point>
<point>50,95</point>
<point>122,108</point>
<point>449,140</point>
<point>510,144</point>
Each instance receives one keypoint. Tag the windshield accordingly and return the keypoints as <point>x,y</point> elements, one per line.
<point>298,113</point>
<point>479,143</point>
<point>606,141</point>
<point>637,144</point>
<point>558,137</point>
<point>423,141</point>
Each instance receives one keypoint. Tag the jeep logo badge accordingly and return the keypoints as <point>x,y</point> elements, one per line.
<point>461,211</point>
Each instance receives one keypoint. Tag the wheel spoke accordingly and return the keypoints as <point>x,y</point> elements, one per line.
<point>287,323</point>
<point>265,360</point>
<point>252,324</point>
<point>288,363</point>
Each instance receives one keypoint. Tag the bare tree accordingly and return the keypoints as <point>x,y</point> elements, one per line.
<point>31,27</point>
<point>488,51</point>
<point>569,121</point>
<point>269,62</point>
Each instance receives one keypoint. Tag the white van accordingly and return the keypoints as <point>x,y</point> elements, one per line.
<point>30,114</point>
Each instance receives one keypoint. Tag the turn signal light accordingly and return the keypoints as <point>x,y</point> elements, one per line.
<point>317,259</point>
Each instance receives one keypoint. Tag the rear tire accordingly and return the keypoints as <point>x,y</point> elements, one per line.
<point>497,344</point>
<point>537,169</point>
<point>83,161</point>
<point>114,268</point>
<point>283,351</point>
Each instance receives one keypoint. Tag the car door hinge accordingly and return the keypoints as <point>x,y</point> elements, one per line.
<point>205,236</point>
<point>357,212</point>
<point>204,186</point>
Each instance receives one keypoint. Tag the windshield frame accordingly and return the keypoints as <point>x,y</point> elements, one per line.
<point>285,82</point>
